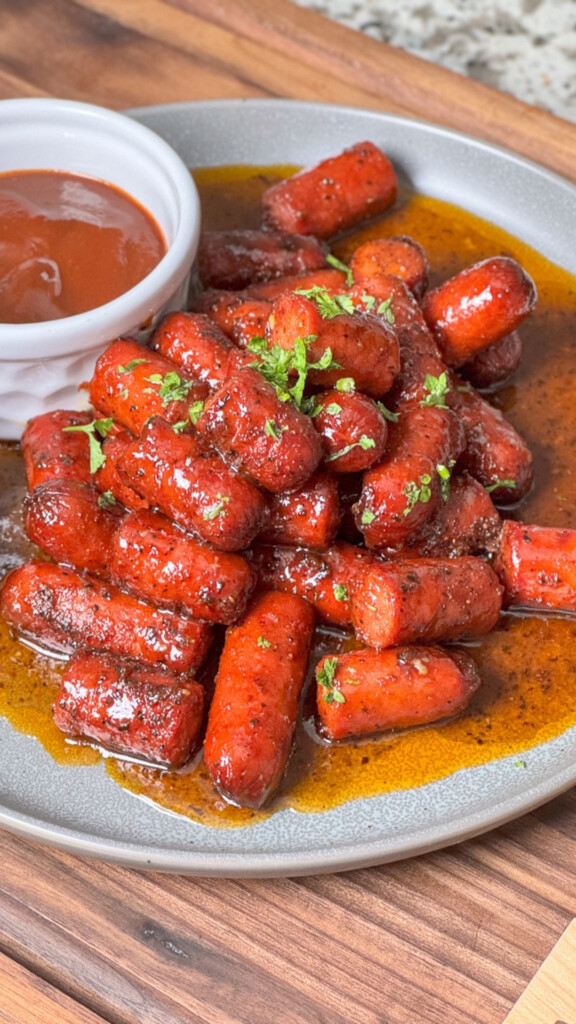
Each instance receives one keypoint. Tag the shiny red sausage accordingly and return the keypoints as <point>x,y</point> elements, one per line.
<point>196,344</point>
<point>495,454</point>
<point>159,563</point>
<point>478,307</point>
<point>53,453</point>
<point>177,474</point>
<point>363,345</point>
<point>400,255</point>
<point>392,689</point>
<point>334,195</point>
<point>62,611</point>
<point>495,364</point>
<point>70,522</point>
<point>537,565</point>
<point>235,259</point>
<point>271,441</point>
<point>466,524</point>
<point>253,714</point>
<point>425,599</point>
<point>130,709</point>
<point>326,579</point>
<point>329,278</point>
<point>239,318</point>
<point>108,479</point>
<point>406,488</point>
<point>131,384</point>
<point>308,517</point>
<point>353,430</point>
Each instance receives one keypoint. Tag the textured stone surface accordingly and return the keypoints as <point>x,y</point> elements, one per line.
<point>524,47</point>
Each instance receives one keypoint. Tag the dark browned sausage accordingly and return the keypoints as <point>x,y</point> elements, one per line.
<point>493,365</point>
<point>308,517</point>
<point>52,452</point>
<point>196,344</point>
<point>537,565</point>
<point>353,430</point>
<point>235,259</point>
<point>466,524</point>
<point>108,479</point>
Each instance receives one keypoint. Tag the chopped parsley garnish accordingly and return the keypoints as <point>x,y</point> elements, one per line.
<point>262,642</point>
<point>325,677</point>
<point>106,499</point>
<point>338,265</point>
<point>340,592</point>
<point>444,474</point>
<point>368,302</point>
<point>273,430</point>
<point>437,388</point>
<point>173,388</point>
<point>328,305</point>
<point>218,508</point>
<point>385,309</point>
<point>364,443</point>
<point>195,411</point>
<point>277,364</point>
<point>346,384</point>
<point>501,483</point>
<point>519,764</point>
<point>392,416</point>
<point>101,427</point>
<point>417,492</point>
<point>333,409</point>
<point>130,366</point>
<point>367,517</point>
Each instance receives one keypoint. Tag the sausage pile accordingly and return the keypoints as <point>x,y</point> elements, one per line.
<point>304,445</point>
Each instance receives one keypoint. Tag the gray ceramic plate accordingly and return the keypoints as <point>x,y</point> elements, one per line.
<point>81,809</point>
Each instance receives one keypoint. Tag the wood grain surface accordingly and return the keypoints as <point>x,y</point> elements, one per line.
<point>450,938</point>
<point>552,992</point>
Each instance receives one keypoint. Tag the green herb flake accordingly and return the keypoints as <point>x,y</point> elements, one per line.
<point>325,678</point>
<point>500,483</point>
<point>437,388</point>
<point>333,409</point>
<point>392,416</point>
<point>172,387</point>
<point>417,492</point>
<point>101,427</point>
<point>368,301</point>
<point>273,430</point>
<point>385,309</point>
<point>106,499</point>
<point>195,411</point>
<point>364,443</point>
<point>277,365</point>
<point>444,474</point>
<point>179,427</point>
<point>519,764</point>
<point>329,306</point>
<point>338,265</point>
<point>262,642</point>
<point>130,366</point>
<point>340,592</point>
<point>218,509</point>
<point>367,517</point>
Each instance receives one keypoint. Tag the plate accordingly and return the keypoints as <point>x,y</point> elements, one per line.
<point>80,808</point>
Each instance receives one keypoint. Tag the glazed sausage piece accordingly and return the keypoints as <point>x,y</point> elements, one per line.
<point>400,255</point>
<point>71,522</point>
<point>494,364</point>
<point>240,319</point>
<point>392,689</point>
<point>424,600</point>
<point>196,344</point>
<point>330,279</point>
<point>334,195</point>
<point>62,610</point>
<point>407,487</point>
<point>53,452</point>
<point>308,517</point>
<point>478,307</point>
<point>160,563</point>
<point>130,709</point>
<point>253,714</point>
<point>326,579</point>
<point>353,430</point>
<point>271,441</point>
<point>537,565</point>
<point>131,384</point>
<point>108,480</point>
<point>177,474</point>
<point>235,259</point>
<point>495,454</point>
<point>364,346</point>
<point>466,524</point>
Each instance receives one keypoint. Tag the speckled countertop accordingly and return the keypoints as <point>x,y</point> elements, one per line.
<point>525,47</point>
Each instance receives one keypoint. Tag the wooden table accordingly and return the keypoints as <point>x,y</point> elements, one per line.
<point>454,936</point>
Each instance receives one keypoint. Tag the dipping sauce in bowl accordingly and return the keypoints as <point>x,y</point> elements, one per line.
<point>68,244</point>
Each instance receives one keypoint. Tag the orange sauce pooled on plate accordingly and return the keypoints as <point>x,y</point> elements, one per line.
<point>528,692</point>
<point>69,244</point>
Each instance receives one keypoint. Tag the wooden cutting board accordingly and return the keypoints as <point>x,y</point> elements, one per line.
<point>134,52</point>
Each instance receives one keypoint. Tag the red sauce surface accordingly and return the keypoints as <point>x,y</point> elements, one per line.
<point>68,244</point>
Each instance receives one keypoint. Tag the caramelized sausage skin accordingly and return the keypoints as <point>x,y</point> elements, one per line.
<point>353,430</point>
<point>400,255</point>
<point>196,344</point>
<point>130,709</point>
<point>271,441</point>
<point>235,259</point>
<point>466,524</point>
<point>52,452</point>
<point>62,610</point>
<point>537,565</point>
<point>404,490</point>
<point>425,600</point>
<point>495,364</point>
<point>68,521</point>
<point>334,195</point>
<point>238,317</point>
<point>393,689</point>
<point>191,484</point>
<point>326,579</point>
<point>108,480</point>
<point>478,307</point>
<point>363,345</point>
<point>127,384</point>
<point>160,563</point>
<point>308,517</point>
<point>253,714</point>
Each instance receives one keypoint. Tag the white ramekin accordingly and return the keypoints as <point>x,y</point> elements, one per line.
<point>42,364</point>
